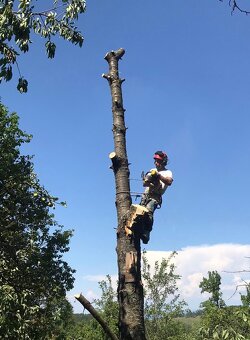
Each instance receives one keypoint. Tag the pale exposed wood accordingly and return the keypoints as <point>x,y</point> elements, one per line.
<point>112,155</point>
<point>114,160</point>
<point>136,213</point>
<point>130,266</point>
<point>106,76</point>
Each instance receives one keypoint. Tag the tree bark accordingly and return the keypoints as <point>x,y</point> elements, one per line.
<point>130,289</point>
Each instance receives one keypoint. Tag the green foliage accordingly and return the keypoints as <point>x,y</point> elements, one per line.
<point>162,303</point>
<point>165,316</point>
<point>107,307</point>
<point>163,308</point>
<point>108,304</point>
<point>219,321</point>
<point>245,299</point>
<point>19,19</point>
<point>212,285</point>
<point>225,323</point>
<point>33,276</point>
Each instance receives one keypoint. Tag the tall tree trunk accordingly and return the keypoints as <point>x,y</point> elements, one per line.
<point>130,289</point>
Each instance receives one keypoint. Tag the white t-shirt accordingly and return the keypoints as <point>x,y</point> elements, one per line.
<point>161,188</point>
<point>165,173</point>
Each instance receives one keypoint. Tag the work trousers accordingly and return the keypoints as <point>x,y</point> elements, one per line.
<point>151,204</point>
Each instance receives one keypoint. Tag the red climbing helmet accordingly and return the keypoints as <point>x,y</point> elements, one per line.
<point>162,156</point>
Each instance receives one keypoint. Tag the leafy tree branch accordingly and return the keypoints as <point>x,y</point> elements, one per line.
<point>34,277</point>
<point>20,19</point>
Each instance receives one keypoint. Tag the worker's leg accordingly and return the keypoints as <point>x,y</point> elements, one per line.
<point>151,206</point>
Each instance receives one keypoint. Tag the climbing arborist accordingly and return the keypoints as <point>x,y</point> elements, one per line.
<point>156,182</point>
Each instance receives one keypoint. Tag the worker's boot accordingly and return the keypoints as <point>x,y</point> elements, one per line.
<point>145,236</point>
<point>147,227</point>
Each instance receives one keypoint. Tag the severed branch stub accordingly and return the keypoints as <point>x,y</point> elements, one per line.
<point>87,305</point>
<point>114,159</point>
<point>118,54</point>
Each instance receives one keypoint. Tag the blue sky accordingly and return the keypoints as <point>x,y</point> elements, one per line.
<point>186,91</point>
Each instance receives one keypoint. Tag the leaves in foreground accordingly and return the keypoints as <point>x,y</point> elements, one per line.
<point>20,20</point>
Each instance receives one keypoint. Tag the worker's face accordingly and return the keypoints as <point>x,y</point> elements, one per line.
<point>158,164</point>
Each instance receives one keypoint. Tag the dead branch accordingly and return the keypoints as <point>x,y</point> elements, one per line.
<point>235,6</point>
<point>245,284</point>
<point>86,304</point>
<point>236,271</point>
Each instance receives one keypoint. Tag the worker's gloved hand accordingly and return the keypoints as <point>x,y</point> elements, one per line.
<point>153,172</point>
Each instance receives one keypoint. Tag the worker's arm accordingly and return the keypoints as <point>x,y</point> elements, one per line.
<point>166,180</point>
